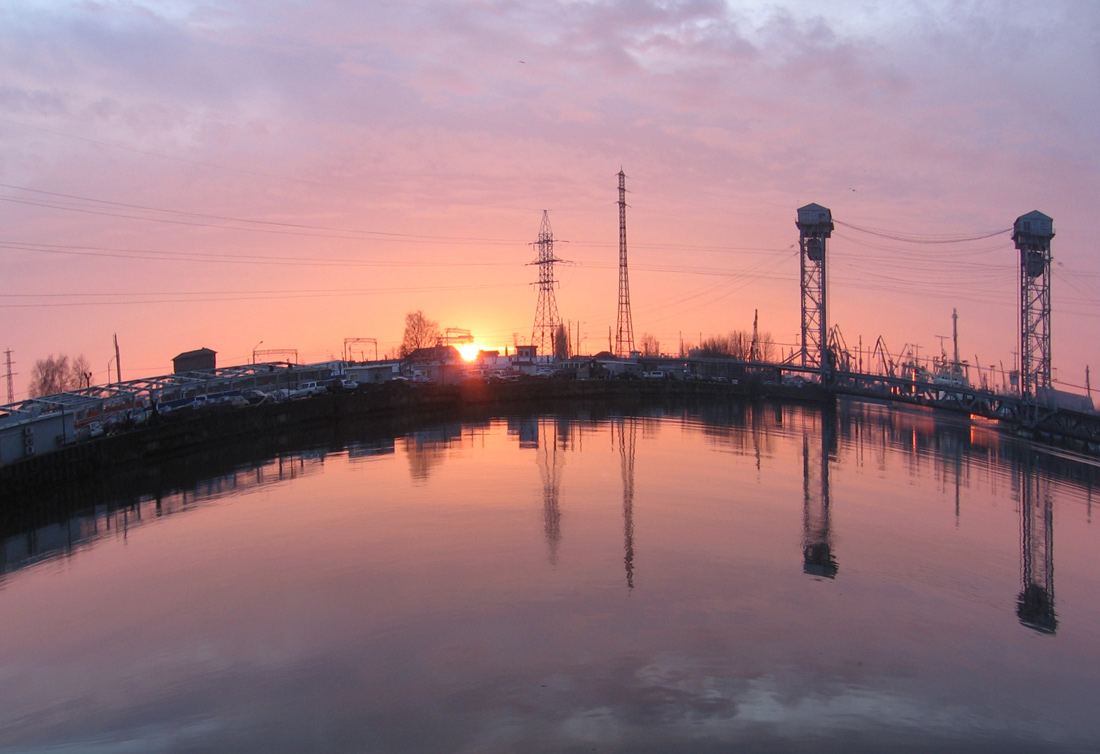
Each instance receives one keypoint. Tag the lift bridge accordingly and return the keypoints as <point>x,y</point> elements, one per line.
<point>1031,407</point>
<point>824,356</point>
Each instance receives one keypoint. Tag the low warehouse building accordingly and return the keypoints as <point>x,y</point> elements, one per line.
<point>201,360</point>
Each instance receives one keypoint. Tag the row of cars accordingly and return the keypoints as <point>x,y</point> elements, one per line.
<point>252,397</point>
<point>660,374</point>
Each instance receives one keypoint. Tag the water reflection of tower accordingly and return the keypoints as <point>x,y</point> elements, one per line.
<point>1035,605</point>
<point>628,435</point>
<point>817,546</point>
<point>427,448</point>
<point>551,458</point>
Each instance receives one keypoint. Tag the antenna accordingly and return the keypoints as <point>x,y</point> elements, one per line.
<point>624,327</point>
<point>943,351</point>
<point>956,369</point>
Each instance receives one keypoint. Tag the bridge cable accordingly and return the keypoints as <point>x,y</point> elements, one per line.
<point>925,239</point>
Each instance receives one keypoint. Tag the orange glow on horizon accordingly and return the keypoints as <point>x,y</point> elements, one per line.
<point>469,351</point>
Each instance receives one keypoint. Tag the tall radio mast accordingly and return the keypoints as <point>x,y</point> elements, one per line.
<point>624,327</point>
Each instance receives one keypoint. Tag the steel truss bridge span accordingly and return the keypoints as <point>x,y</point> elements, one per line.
<point>1024,415</point>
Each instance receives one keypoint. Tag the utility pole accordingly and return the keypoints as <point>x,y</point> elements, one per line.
<point>11,389</point>
<point>118,362</point>
<point>755,345</point>
<point>956,369</point>
<point>624,326</point>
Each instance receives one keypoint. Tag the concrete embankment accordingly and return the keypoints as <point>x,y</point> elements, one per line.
<point>387,408</point>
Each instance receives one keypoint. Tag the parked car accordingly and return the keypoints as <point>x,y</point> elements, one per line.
<point>307,390</point>
<point>656,374</point>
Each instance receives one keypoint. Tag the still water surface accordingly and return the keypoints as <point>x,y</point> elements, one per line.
<point>733,578</point>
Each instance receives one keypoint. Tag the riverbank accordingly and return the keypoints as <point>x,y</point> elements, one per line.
<point>389,406</point>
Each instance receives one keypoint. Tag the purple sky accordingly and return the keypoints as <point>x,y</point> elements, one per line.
<point>217,175</point>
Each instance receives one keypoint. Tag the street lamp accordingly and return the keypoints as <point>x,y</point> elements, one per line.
<point>254,351</point>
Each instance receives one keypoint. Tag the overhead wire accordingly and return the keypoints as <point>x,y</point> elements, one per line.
<point>206,257</point>
<point>347,235</point>
<point>322,231</point>
<point>936,272</point>
<point>191,297</point>
<point>982,283</point>
<point>736,284</point>
<point>923,238</point>
<point>227,218</point>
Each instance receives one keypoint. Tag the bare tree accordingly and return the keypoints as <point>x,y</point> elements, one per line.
<point>57,374</point>
<point>765,347</point>
<point>420,332</point>
<point>649,345</point>
<point>735,345</point>
<point>561,343</point>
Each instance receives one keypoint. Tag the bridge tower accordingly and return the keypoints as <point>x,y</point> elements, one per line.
<point>1032,233</point>
<point>1035,605</point>
<point>817,542</point>
<point>815,225</point>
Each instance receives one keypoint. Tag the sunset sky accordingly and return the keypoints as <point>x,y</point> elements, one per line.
<point>223,174</point>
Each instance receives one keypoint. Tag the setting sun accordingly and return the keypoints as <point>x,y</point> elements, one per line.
<point>469,351</point>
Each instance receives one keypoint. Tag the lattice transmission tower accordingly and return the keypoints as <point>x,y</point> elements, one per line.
<point>815,225</point>
<point>624,326</point>
<point>544,334</point>
<point>551,442</point>
<point>1032,233</point>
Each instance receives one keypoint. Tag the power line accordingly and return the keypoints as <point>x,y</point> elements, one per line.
<point>924,239</point>
<point>942,253</point>
<point>213,298</point>
<point>227,218</point>
<point>358,234</point>
<point>206,257</point>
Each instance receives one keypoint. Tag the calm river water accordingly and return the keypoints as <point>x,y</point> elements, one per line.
<point>727,579</point>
